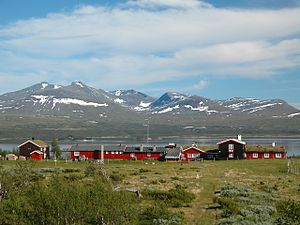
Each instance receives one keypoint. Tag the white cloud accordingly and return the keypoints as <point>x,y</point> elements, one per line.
<point>200,85</point>
<point>139,45</point>
<point>169,3</point>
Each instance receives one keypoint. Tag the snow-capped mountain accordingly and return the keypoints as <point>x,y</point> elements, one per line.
<point>132,99</point>
<point>80,109</point>
<point>76,100</point>
<point>180,103</point>
<point>271,107</point>
<point>45,98</point>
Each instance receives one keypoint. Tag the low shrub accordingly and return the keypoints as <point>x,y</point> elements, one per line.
<point>160,215</point>
<point>71,170</point>
<point>176,197</point>
<point>117,177</point>
<point>288,212</point>
<point>241,205</point>
<point>142,170</point>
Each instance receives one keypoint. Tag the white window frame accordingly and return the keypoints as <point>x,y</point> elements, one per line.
<point>255,155</point>
<point>266,155</point>
<point>193,155</point>
<point>278,155</point>
<point>230,147</point>
<point>231,155</point>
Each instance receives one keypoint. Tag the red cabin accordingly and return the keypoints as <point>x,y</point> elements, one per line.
<point>118,152</point>
<point>191,153</point>
<point>37,155</point>
<point>265,152</point>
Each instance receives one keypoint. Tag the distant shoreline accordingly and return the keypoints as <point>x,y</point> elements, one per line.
<point>157,139</point>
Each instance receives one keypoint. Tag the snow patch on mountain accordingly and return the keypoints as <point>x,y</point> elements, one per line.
<point>44,85</point>
<point>119,100</point>
<point>293,115</point>
<point>169,109</point>
<point>77,102</point>
<point>144,104</point>
<point>56,86</point>
<point>118,93</point>
<point>78,83</point>
<point>43,99</point>
<point>259,108</point>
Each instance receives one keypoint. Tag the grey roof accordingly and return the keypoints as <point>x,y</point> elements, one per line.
<point>173,153</point>
<point>145,149</point>
<point>95,147</point>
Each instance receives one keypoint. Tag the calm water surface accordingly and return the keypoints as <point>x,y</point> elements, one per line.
<point>292,144</point>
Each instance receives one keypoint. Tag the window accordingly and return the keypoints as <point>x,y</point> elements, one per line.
<point>106,152</point>
<point>278,155</point>
<point>230,156</point>
<point>193,156</point>
<point>266,155</point>
<point>148,154</point>
<point>230,147</point>
<point>255,155</point>
<point>113,153</point>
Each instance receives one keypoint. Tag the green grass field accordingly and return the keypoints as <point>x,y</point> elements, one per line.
<point>201,178</point>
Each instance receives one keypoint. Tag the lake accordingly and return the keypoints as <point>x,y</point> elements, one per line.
<point>292,144</point>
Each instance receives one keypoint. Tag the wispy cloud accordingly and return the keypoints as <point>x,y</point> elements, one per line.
<point>149,41</point>
<point>200,85</point>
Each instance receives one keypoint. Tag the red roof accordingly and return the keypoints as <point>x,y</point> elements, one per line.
<point>232,139</point>
<point>38,152</point>
<point>193,147</point>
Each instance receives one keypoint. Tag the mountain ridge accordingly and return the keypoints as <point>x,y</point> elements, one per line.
<point>78,106</point>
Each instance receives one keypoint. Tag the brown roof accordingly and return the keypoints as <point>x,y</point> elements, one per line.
<point>40,143</point>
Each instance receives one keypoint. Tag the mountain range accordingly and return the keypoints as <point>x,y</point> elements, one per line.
<point>79,111</point>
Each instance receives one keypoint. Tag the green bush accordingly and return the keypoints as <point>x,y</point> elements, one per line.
<point>229,206</point>
<point>142,170</point>
<point>117,177</point>
<point>288,212</point>
<point>160,215</point>
<point>71,170</point>
<point>59,200</point>
<point>176,197</point>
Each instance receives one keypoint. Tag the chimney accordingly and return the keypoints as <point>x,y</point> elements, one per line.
<point>239,137</point>
<point>154,148</point>
<point>32,138</point>
<point>141,148</point>
<point>273,144</point>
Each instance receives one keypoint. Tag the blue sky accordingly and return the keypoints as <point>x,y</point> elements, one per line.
<point>217,49</point>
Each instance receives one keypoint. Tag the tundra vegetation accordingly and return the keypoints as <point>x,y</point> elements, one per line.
<point>141,193</point>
